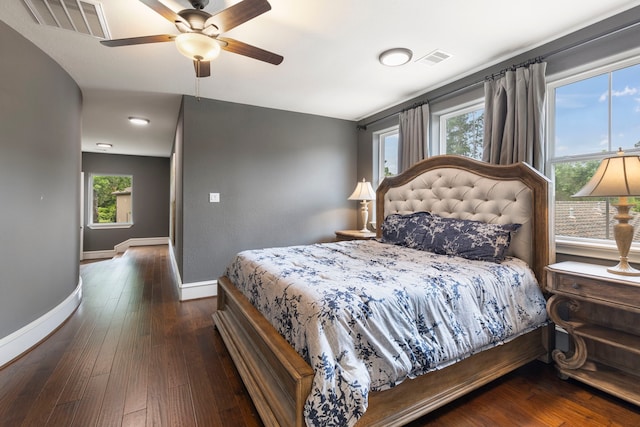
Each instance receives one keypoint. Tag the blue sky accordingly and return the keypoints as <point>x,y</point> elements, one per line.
<point>582,111</point>
<point>391,153</point>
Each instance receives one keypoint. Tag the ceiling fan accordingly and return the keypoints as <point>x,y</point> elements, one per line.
<point>199,37</point>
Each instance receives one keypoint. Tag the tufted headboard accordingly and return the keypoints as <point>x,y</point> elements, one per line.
<point>460,187</point>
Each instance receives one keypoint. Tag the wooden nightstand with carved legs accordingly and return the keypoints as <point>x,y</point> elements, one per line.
<point>600,312</point>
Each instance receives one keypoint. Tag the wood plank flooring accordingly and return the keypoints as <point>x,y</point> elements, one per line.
<point>133,355</point>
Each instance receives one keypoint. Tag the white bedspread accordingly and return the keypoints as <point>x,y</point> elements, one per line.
<point>367,315</point>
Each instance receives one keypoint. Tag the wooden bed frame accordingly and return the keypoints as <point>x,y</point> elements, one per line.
<point>279,380</point>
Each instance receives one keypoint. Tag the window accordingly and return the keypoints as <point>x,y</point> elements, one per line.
<point>387,143</point>
<point>110,201</point>
<point>462,131</point>
<point>590,117</point>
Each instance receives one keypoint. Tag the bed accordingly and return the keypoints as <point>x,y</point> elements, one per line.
<point>281,381</point>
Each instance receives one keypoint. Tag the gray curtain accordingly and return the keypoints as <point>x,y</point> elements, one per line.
<point>514,117</point>
<point>413,136</point>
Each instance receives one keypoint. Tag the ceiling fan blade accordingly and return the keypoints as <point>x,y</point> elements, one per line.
<point>203,68</point>
<point>139,40</point>
<point>163,10</point>
<point>242,48</point>
<point>238,13</point>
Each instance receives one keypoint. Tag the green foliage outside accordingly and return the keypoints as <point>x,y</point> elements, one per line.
<point>387,172</point>
<point>571,177</point>
<point>465,134</point>
<point>104,201</point>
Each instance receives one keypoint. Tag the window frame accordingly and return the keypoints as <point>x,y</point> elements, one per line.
<point>378,138</point>
<point>106,225</point>
<point>581,246</point>
<point>454,111</point>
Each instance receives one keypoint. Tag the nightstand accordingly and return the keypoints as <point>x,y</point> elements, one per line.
<point>355,235</point>
<point>600,312</point>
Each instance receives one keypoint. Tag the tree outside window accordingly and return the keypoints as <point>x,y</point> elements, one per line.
<point>462,132</point>
<point>111,199</point>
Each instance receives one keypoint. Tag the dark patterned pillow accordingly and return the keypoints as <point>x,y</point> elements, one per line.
<point>406,230</point>
<point>469,239</point>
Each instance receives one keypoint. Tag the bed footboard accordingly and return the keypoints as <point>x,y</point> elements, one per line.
<point>279,380</point>
<point>275,375</point>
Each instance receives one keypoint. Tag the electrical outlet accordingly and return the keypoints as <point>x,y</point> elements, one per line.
<point>214,197</point>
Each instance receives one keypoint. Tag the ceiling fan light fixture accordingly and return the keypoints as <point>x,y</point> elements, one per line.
<point>197,46</point>
<point>395,57</point>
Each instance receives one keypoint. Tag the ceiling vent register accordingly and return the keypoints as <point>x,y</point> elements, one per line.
<point>434,57</point>
<point>81,16</point>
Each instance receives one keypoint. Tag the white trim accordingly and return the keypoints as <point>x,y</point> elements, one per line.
<point>593,68</point>
<point>584,247</point>
<point>90,199</point>
<point>194,290</point>
<point>378,141</point>
<point>98,254</point>
<point>122,247</point>
<point>110,225</point>
<point>140,241</point>
<point>19,342</point>
<point>594,248</point>
<point>446,114</point>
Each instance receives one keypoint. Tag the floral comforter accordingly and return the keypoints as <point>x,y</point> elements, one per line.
<point>368,315</point>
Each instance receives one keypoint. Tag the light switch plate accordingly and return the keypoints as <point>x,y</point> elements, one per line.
<point>214,197</point>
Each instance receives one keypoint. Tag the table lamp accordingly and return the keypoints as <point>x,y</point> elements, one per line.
<point>617,176</point>
<point>363,192</point>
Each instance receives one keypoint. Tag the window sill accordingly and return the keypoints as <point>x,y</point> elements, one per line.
<point>109,226</point>
<point>596,249</point>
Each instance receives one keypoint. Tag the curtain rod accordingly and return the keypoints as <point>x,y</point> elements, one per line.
<point>525,63</point>
<point>411,107</point>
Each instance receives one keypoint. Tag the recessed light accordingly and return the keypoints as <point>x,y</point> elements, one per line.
<point>139,121</point>
<point>104,145</point>
<point>396,56</point>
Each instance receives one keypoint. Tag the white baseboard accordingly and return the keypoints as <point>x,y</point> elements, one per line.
<point>98,255</point>
<point>194,290</point>
<point>122,247</point>
<point>144,241</point>
<point>20,341</point>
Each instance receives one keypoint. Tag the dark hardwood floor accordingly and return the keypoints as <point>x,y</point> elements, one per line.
<point>133,355</point>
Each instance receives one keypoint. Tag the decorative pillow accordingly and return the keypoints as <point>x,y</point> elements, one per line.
<point>406,230</point>
<point>469,239</point>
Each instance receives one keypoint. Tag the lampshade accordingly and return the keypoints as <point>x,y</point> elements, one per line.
<point>363,191</point>
<point>617,176</point>
<point>197,46</point>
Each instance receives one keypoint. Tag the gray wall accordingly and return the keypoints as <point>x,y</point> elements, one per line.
<point>150,197</point>
<point>610,37</point>
<point>283,179</point>
<point>561,54</point>
<point>40,110</point>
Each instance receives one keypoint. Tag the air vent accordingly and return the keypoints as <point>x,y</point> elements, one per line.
<point>81,16</point>
<point>434,57</point>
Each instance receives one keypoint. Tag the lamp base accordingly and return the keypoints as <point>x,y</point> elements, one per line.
<point>623,268</point>
<point>623,235</point>
<point>364,213</point>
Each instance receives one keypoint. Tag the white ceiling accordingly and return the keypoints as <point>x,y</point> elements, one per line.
<point>330,50</point>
